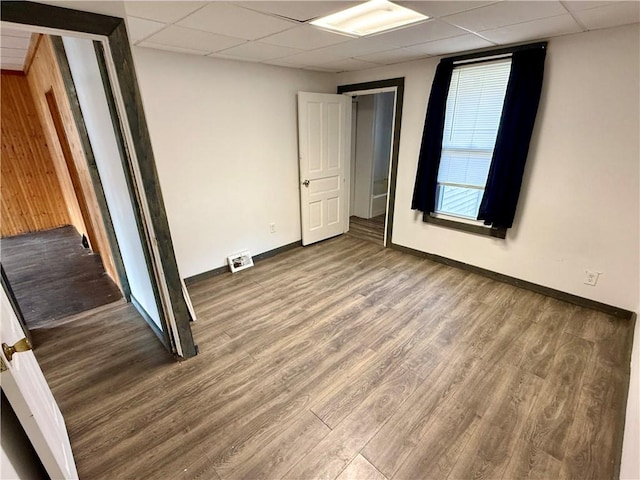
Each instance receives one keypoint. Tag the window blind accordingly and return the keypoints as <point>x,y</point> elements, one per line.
<point>472,116</point>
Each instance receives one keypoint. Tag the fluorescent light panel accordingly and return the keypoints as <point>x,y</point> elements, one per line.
<point>374,16</point>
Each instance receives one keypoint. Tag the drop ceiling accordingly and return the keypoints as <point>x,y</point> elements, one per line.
<point>278,32</point>
<point>14,45</point>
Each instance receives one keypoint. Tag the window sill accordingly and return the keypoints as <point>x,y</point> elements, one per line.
<point>465,227</point>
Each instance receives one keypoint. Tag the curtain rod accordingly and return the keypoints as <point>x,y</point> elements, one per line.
<point>506,51</point>
<point>483,59</point>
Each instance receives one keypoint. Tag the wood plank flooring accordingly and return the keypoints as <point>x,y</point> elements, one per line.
<point>371,229</point>
<point>345,360</point>
<point>53,276</point>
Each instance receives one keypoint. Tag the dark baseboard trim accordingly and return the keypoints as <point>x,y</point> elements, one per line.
<point>205,275</point>
<point>622,413</point>
<point>277,251</point>
<point>149,320</point>
<point>516,282</point>
<point>256,258</point>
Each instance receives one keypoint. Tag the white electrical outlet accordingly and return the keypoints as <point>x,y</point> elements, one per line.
<point>591,278</point>
<point>272,227</point>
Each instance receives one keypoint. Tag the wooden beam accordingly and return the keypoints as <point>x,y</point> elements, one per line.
<point>48,16</point>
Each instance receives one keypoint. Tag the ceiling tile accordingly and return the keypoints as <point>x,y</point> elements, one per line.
<point>357,47</point>
<point>443,8</point>
<point>421,33</point>
<point>11,66</point>
<point>314,57</point>
<point>14,42</point>
<point>349,64</point>
<point>459,44</point>
<point>232,57</point>
<point>259,51</point>
<point>13,52</point>
<point>320,69</point>
<point>169,48</point>
<point>305,37</point>
<point>576,6</point>
<point>393,56</point>
<point>166,12</point>
<point>13,58</point>
<point>301,11</point>
<point>621,13</point>
<point>283,63</point>
<point>384,42</point>
<point>140,28</point>
<point>505,13</point>
<point>221,29</point>
<point>11,32</point>
<point>234,21</point>
<point>193,39</point>
<point>543,28</point>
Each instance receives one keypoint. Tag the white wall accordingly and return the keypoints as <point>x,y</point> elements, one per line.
<point>579,203</point>
<point>383,135</point>
<point>93,102</point>
<point>364,156</point>
<point>224,135</point>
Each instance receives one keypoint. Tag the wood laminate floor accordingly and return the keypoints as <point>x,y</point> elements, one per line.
<point>345,360</point>
<point>371,229</point>
<point>54,276</point>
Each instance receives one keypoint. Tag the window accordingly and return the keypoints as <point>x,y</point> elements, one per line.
<point>480,118</point>
<point>472,116</point>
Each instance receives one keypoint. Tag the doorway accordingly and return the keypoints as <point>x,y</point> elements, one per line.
<point>134,164</point>
<point>375,139</point>
<point>372,122</point>
<point>55,247</point>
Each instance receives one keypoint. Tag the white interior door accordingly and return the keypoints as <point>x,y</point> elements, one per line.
<point>26,389</point>
<point>324,132</point>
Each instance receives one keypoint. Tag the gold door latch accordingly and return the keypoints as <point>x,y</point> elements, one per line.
<point>20,346</point>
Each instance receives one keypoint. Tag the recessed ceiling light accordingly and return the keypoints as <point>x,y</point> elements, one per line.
<point>374,16</point>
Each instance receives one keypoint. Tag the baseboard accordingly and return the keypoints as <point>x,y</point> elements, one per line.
<point>516,282</point>
<point>147,318</point>
<point>256,258</point>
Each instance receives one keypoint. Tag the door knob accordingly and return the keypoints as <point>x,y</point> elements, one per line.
<point>20,346</point>
<point>306,183</point>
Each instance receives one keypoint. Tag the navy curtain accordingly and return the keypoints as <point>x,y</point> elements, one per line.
<point>500,198</point>
<point>424,191</point>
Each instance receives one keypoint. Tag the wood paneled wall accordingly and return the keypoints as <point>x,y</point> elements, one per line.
<point>44,79</point>
<point>30,193</point>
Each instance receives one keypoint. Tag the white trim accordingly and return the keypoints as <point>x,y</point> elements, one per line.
<point>484,59</point>
<point>51,31</point>
<point>456,218</point>
<point>373,91</point>
<point>151,239</point>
